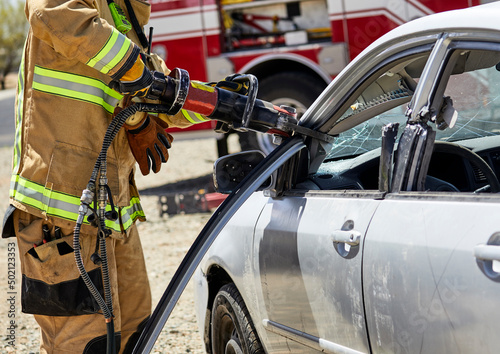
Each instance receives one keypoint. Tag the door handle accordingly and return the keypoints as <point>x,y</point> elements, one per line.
<point>346,240</point>
<point>487,252</point>
<point>486,256</point>
<point>351,237</point>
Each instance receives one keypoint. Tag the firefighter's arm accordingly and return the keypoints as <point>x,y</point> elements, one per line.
<point>75,30</point>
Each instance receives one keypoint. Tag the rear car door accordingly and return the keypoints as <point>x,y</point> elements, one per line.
<point>430,265</point>
<point>425,290</point>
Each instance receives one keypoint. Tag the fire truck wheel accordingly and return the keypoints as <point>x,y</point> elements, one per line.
<point>233,331</point>
<point>295,89</point>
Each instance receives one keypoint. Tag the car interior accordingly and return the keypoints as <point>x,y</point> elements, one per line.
<point>462,133</point>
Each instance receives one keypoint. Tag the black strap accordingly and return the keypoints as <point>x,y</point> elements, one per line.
<point>137,28</point>
<point>8,223</point>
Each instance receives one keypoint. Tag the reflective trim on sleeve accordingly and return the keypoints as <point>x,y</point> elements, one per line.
<point>76,87</point>
<point>112,53</point>
<point>194,118</point>
<point>65,206</point>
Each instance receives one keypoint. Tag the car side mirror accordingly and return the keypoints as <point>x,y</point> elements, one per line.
<point>231,169</point>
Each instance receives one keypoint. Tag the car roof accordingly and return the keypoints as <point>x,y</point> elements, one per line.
<point>482,18</point>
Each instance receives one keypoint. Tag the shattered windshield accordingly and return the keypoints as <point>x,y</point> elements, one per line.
<point>475,96</point>
<point>366,136</point>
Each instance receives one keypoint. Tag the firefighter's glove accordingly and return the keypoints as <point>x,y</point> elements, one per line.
<point>149,143</point>
<point>136,81</point>
<point>231,83</point>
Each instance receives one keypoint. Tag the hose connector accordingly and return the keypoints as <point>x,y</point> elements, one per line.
<point>87,197</point>
<point>85,200</point>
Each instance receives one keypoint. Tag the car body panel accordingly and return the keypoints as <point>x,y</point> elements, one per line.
<point>234,254</point>
<point>292,281</point>
<point>422,281</point>
<point>425,276</point>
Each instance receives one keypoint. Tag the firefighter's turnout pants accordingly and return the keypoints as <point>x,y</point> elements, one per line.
<point>52,289</point>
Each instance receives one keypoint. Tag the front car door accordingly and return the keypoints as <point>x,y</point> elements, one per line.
<point>310,239</point>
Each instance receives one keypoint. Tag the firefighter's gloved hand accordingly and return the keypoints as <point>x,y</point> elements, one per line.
<point>231,83</point>
<point>149,143</point>
<point>136,81</point>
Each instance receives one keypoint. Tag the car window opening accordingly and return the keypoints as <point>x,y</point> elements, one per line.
<point>468,116</point>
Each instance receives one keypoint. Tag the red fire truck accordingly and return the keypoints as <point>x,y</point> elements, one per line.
<point>294,47</point>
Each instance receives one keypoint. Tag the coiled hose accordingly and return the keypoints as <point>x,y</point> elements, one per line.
<point>86,199</point>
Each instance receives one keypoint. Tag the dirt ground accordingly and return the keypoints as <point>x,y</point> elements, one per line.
<point>165,240</point>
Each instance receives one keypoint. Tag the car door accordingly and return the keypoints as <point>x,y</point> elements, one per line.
<point>430,264</point>
<point>308,242</point>
<point>297,241</point>
<point>425,289</point>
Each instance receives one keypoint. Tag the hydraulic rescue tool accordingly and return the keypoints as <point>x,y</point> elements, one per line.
<point>175,92</point>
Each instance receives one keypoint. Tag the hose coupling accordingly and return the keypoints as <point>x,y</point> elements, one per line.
<point>87,197</point>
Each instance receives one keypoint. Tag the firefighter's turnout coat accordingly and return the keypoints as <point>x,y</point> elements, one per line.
<point>64,106</point>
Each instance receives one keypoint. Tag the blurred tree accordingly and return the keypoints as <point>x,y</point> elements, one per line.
<point>13,29</point>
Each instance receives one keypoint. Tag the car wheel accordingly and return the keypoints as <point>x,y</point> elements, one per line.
<point>233,331</point>
<point>295,89</point>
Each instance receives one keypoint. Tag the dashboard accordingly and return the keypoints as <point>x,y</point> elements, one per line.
<point>453,167</point>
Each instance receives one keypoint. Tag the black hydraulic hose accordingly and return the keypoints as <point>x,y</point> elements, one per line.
<point>81,268</point>
<point>105,270</point>
<point>111,344</point>
<point>111,132</point>
<point>86,199</point>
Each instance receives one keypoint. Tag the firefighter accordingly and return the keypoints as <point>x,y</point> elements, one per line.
<point>73,53</point>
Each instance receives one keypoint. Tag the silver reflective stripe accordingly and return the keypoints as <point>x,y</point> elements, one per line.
<point>19,116</point>
<point>131,213</point>
<point>65,206</point>
<point>77,87</point>
<point>112,53</point>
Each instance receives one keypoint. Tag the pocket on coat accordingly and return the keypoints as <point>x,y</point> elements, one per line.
<point>71,167</point>
<point>51,283</point>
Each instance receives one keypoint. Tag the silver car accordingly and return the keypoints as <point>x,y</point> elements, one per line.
<point>381,233</point>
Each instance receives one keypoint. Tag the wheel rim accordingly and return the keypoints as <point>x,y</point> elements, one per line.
<point>265,141</point>
<point>233,347</point>
<point>229,336</point>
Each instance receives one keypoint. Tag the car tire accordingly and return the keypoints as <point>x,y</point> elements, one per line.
<point>295,89</point>
<point>232,330</point>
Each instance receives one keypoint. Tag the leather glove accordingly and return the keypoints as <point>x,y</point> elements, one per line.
<point>240,87</point>
<point>136,81</point>
<point>149,143</point>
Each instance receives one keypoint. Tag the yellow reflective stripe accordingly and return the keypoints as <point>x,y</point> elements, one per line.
<point>121,54</point>
<point>64,205</point>
<point>194,118</point>
<point>19,116</point>
<point>76,87</point>
<point>108,46</point>
<point>112,53</point>
<point>79,79</point>
<point>131,213</point>
<point>201,86</point>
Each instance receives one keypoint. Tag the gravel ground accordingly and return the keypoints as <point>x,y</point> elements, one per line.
<point>165,240</point>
